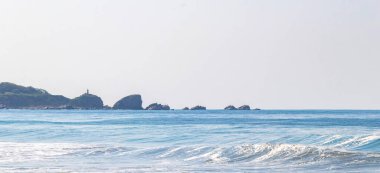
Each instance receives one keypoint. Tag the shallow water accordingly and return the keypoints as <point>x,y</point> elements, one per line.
<point>189,141</point>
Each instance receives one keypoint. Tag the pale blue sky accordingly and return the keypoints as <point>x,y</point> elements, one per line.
<point>270,54</point>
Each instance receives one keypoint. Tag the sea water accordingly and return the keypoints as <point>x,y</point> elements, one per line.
<point>189,141</point>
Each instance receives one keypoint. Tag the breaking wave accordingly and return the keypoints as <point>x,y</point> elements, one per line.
<point>247,154</point>
<point>367,142</point>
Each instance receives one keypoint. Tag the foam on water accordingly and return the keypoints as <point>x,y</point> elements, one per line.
<point>247,155</point>
<point>11,152</point>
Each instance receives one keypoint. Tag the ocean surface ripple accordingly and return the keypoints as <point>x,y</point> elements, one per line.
<point>189,141</point>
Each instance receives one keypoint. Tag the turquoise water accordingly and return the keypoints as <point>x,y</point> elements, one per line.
<point>189,141</point>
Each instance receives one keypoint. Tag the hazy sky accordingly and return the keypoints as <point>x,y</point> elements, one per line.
<point>269,54</point>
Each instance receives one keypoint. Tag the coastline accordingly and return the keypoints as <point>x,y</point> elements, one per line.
<point>13,96</point>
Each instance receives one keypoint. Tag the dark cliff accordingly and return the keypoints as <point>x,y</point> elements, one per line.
<point>132,102</point>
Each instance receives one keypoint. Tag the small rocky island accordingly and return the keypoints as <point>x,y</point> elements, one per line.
<point>198,108</point>
<point>244,107</point>
<point>156,106</point>
<point>14,96</point>
<point>231,107</point>
<point>132,102</point>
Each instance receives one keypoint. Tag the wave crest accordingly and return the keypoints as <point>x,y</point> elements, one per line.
<point>247,154</point>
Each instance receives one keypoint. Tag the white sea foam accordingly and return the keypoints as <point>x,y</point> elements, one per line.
<point>20,152</point>
<point>349,142</point>
<point>265,154</point>
<point>157,158</point>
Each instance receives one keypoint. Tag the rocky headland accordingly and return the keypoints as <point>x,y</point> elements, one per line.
<point>14,96</point>
<point>87,101</point>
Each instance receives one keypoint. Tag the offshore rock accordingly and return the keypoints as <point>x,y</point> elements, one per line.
<point>244,107</point>
<point>132,102</point>
<point>185,108</point>
<point>230,107</point>
<point>156,106</point>
<point>198,108</point>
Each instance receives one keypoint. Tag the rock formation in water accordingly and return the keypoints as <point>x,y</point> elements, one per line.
<point>156,106</point>
<point>87,101</point>
<point>198,108</point>
<point>230,107</point>
<point>132,102</point>
<point>244,107</point>
<point>14,96</point>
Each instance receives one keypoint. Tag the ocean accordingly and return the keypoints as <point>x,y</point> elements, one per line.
<point>189,141</point>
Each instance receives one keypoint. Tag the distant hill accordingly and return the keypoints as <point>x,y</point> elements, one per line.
<point>10,88</point>
<point>15,96</point>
